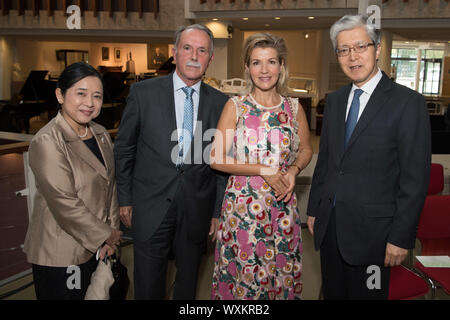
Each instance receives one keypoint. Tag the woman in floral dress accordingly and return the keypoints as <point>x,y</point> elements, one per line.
<point>258,250</point>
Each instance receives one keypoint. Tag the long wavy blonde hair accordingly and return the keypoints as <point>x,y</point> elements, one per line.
<point>266,40</point>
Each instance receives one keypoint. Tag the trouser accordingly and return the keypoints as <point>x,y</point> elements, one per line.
<point>63,283</point>
<point>151,258</point>
<point>341,281</point>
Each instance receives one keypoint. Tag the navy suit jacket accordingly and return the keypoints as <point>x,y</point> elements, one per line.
<point>380,180</point>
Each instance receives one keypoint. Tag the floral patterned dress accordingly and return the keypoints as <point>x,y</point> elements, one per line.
<point>258,250</point>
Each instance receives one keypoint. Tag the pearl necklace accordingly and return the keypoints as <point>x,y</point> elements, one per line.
<point>85,134</point>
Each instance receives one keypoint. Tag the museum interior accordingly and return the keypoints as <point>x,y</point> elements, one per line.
<point>129,41</point>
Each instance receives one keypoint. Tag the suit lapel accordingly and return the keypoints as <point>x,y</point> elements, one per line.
<point>202,121</point>
<point>202,110</point>
<point>102,142</point>
<point>342,110</point>
<point>79,147</point>
<point>166,104</point>
<point>376,102</point>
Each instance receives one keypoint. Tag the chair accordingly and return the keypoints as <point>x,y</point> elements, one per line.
<point>404,284</point>
<point>232,86</point>
<point>436,179</point>
<point>434,236</point>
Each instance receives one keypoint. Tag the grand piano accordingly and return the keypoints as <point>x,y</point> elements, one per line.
<point>36,96</point>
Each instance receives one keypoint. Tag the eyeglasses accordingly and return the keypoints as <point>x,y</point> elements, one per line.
<point>359,48</point>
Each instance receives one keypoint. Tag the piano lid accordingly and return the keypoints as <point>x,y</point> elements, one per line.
<point>35,88</point>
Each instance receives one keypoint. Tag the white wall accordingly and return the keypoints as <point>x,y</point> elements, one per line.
<point>138,53</point>
<point>41,55</point>
<point>219,65</point>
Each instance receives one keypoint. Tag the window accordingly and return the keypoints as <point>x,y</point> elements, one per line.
<point>430,71</point>
<point>405,65</point>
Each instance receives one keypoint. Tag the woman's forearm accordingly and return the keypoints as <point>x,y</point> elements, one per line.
<point>304,157</point>
<point>232,166</point>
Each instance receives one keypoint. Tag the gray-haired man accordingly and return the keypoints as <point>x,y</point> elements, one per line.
<point>372,172</point>
<point>170,199</point>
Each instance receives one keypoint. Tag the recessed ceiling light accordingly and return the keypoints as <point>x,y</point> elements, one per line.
<point>215,19</point>
<point>311,18</point>
<point>277,18</point>
<point>306,36</point>
<point>245,19</point>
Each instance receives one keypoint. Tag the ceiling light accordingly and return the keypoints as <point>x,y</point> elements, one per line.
<point>215,19</point>
<point>267,25</point>
<point>245,19</point>
<point>277,18</point>
<point>311,18</point>
<point>306,36</point>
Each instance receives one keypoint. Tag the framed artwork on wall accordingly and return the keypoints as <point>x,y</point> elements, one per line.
<point>157,54</point>
<point>117,54</point>
<point>105,53</point>
<point>60,55</point>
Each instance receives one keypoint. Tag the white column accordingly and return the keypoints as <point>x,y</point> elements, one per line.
<point>418,61</point>
<point>384,61</point>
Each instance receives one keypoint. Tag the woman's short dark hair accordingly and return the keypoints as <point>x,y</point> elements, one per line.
<point>74,73</point>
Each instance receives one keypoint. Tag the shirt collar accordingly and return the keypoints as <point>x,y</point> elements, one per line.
<point>178,84</point>
<point>370,85</point>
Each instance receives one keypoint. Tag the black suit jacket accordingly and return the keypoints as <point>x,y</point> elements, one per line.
<point>145,153</point>
<point>380,180</point>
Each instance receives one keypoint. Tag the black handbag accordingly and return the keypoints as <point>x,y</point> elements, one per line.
<point>119,289</point>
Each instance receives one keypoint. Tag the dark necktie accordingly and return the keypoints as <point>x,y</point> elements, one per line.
<point>352,117</point>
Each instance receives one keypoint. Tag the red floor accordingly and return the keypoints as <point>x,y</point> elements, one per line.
<point>13,216</point>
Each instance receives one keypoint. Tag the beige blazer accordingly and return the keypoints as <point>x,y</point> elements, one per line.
<point>75,207</point>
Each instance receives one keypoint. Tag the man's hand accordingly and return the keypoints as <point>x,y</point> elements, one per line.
<point>214,228</point>
<point>310,223</point>
<point>394,255</point>
<point>125,215</point>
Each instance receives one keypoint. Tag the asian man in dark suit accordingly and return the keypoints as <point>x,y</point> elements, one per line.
<point>168,194</point>
<point>372,172</point>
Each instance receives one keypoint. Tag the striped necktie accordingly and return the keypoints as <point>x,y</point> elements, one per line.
<point>188,122</point>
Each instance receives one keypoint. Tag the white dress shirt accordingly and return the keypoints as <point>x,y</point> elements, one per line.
<point>180,97</point>
<point>367,89</point>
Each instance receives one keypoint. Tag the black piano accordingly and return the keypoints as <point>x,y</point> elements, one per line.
<point>36,96</point>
